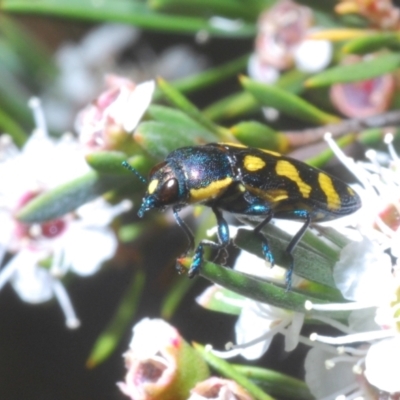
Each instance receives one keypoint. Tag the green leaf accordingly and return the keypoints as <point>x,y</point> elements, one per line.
<point>66,198</point>
<point>9,60</point>
<point>210,76</point>
<point>71,195</point>
<point>159,138</point>
<point>219,299</point>
<point>256,134</point>
<point>371,43</point>
<point>286,102</point>
<point>14,98</point>
<point>292,81</point>
<point>232,106</point>
<point>276,383</point>
<point>260,290</point>
<point>8,125</point>
<point>363,70</point>
<point>172,116</point>
<point>110,162</point>
<point>184,104</point>
<point>311,263</point>
<point>133,12</point>
<point>127,233</point>
<point>248,10</point>
<point>109,339</point>
<point>238,104</point>
<point>174,297</point>
<point>107,162</point>
<point>34,60</point>
<point>226,369</point>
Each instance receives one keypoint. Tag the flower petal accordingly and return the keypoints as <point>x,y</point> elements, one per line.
<point>32,283</point>
<point>382,365</point>
<point>363,273</point>
<point>323,382</point>
<point>256,323</point>
<point>313,55</point>
<point>137,104</point>
<point>85,249</point>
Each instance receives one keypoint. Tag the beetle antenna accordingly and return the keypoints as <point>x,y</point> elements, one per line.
<point>137,173</point>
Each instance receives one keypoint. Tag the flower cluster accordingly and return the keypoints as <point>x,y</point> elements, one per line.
<point>79,241</point>
<point>282,42</point>
<point>161,365</point>
<point>367,275</point>
<point>108,121</point>
<point>363,98</point>
<point>365,360</point>
<point>381,13</point>
<point>265,320</point>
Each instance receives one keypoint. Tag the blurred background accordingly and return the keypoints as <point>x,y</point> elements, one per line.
<point>61,52</point>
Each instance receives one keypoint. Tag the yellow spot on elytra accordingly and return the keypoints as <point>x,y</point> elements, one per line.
<point>152,186</point>
<point>332,197</point>
<point>351,191</point>
<point>213,190</point>
<point>253,163</point>
<point>288,170</point>
<point>241,188</point>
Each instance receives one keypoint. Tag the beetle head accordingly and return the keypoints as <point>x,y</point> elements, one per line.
<point>162,190</point>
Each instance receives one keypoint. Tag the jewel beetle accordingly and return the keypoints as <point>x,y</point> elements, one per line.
<point>257,183</point>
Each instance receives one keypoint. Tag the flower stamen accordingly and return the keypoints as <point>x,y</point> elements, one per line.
<point>71,320</point>
<point>38,115</point>
<point>388,140</point>
<point>352,338</point>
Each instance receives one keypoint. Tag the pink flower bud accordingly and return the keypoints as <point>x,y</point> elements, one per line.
<point>364,98</point>
<point>108,120</point>
<point>160,364</point>
<point>281,29</point>
<point>218,389</point>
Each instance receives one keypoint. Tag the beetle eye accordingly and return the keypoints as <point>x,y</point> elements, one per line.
<point>168,193</point>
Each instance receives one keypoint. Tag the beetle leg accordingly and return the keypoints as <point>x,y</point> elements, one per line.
<point>223,236</point>
<point>301,214</point>
<point>185,228</point>
<point>264,242</point>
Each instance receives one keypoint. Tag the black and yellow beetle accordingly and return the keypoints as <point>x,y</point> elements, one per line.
<point>258,183</point>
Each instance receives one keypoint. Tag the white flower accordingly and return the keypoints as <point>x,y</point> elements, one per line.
<point>160,364</point>
<point>106,122</point>
<point>369,277</point>
<point>81,69</point>
<point>258,323</point>
<point>151,359</point>
<point>329,380</point>
<point>282,40</point>
<point>219,389</point>
<point>364,273</point>
<point>313,56</point>
<point>380,192</point>
<point>382,364</point>
<point>43,252</point>
<point>260,71</point>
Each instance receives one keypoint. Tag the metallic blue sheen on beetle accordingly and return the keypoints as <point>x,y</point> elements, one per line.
<point>257,183</point>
